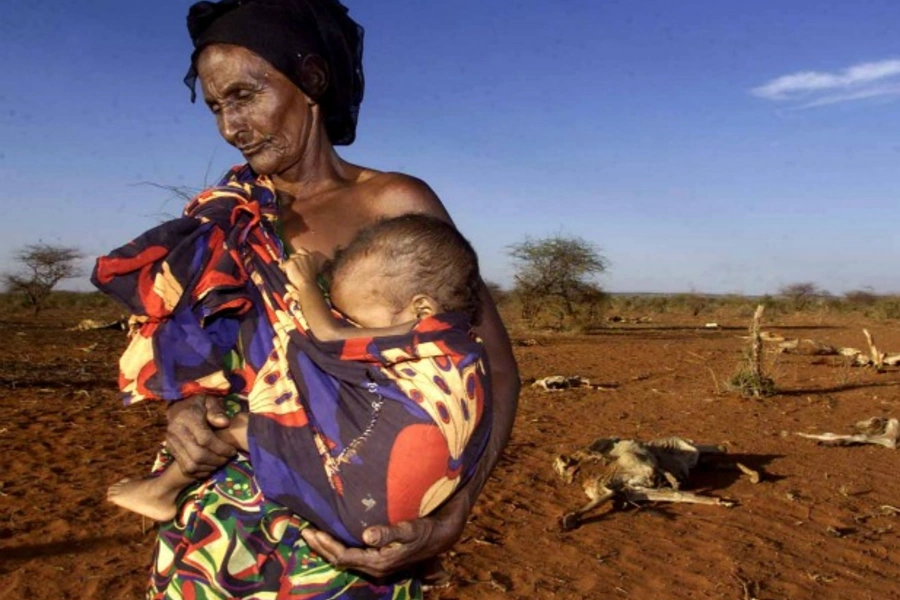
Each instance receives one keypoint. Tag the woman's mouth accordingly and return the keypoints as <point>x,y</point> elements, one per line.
<point>251,149</point>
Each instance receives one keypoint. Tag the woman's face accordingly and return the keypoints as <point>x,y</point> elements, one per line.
<point>258,110</point>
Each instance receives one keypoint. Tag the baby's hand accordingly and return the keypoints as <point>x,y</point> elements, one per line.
<point>301,268</point>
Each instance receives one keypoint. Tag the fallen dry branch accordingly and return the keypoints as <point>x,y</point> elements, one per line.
<point>634,320</point>
<point>556,383</point>
<point>877,430</point>
<point>875,355</point>
<point>89,324</point>
<point>634,471</point>
<point>860,358</point>
<point>808,347</point>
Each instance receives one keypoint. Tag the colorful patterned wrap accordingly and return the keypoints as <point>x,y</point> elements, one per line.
<point>347,434</point>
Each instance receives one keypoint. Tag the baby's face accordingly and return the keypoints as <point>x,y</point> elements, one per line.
<point>358,292</point>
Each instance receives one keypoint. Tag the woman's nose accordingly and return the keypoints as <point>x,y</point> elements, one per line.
<point>231,124</point>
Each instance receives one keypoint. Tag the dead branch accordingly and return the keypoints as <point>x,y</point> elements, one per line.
<point>876,356</point>
<point>555,383</point>
<point>756,343</point>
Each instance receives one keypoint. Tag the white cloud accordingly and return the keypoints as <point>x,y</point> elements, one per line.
<point>817,88</point>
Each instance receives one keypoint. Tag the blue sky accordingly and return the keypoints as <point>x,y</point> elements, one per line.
<point>701,145</point>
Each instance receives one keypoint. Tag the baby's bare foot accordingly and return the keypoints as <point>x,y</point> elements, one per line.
<point>145,497</point>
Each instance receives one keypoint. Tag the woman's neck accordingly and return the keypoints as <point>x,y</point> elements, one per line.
<point>319,170</point>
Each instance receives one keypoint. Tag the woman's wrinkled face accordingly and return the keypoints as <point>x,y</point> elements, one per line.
<point>258,110</point>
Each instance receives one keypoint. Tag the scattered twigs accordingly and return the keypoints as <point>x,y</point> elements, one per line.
<point>555,383</point>
<point>860,358</point>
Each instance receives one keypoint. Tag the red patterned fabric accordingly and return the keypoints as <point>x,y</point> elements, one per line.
<point>345,434</point>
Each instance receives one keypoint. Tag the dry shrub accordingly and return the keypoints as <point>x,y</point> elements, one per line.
<point>543,312</point>
<point>693,303</point>
<point>750,381</point>
<point>861,298</point>
<point>751,384</point>
<point>887,307</point>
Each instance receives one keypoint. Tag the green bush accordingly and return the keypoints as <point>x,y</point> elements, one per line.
<point>887,307</point>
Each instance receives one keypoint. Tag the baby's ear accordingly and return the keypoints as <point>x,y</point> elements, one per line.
<point>424,306</point>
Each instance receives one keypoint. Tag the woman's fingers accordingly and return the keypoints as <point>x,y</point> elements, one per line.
<point>215,412</point>
<point>400,546</point>
<point>395,547</point>
<point>192,441</point>
<point>371,561</point>
<point>325,546</point>
<point>404,532</point>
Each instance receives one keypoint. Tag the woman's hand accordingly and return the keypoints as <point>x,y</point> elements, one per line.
<point>394,548</point>
<point>190,437</point>
<point>302,268</point>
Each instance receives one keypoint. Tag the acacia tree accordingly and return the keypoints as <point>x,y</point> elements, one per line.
<point>557,271</point>
<point>802,294</point>
<point>43,266</point>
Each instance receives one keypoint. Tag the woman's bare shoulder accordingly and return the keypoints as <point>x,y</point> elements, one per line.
<point>390,194</point>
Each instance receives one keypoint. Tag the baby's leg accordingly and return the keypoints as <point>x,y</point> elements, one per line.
<point>152,497</point>
<point>155,497</point>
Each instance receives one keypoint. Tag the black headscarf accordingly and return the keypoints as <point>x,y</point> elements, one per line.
<point>284,32</point>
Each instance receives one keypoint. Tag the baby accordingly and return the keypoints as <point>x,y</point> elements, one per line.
<point>391,277</point>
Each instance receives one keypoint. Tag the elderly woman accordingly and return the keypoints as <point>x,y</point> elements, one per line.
<point>284,81</point>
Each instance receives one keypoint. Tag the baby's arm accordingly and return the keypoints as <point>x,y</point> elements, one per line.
<point>302,272</point>
<point>236,432</point>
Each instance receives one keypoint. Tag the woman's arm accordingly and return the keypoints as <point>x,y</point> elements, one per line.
<point>505,384</point>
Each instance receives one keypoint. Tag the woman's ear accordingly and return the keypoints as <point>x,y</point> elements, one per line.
<point>314,76</point>
<point>424,305</point>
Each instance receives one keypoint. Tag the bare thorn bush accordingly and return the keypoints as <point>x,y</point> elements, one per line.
<point>42,267</point>
<point>750,381</point>
<point>802,295</point>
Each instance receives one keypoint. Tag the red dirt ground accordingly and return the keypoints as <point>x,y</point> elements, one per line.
<point>815,527</point>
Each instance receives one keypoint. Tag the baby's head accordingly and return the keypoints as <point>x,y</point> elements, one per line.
<point>403,269</point>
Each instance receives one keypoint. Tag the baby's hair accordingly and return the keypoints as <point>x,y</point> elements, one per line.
<point>421,255</point>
